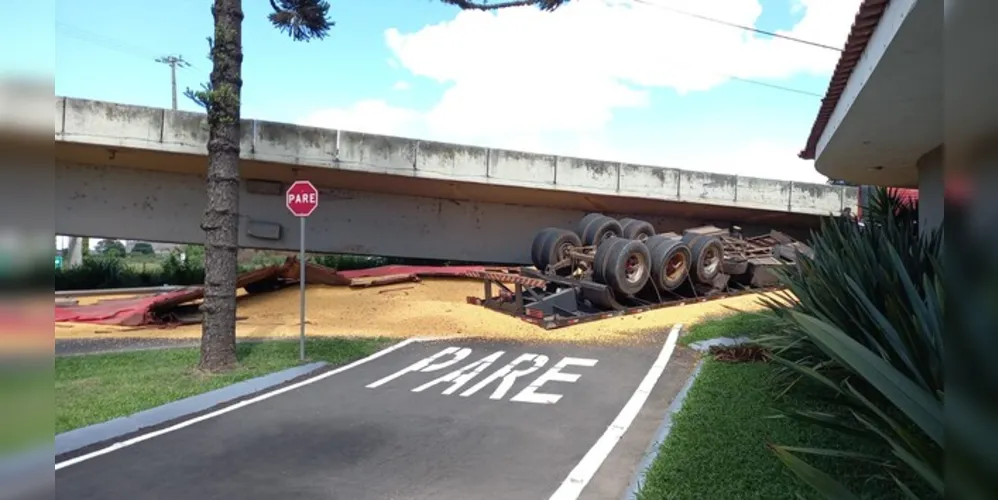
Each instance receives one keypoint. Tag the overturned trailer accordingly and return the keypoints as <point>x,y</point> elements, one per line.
<point>608,267</point>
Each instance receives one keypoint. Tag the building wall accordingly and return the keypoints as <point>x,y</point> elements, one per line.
<point>931,188</point>
<point>135,204</point>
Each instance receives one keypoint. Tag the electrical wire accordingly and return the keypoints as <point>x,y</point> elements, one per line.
<point>108,42</point>
<point>111,43</point>
<point>738,26</point>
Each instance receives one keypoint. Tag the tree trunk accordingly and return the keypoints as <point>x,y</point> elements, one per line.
<point>221,217</point>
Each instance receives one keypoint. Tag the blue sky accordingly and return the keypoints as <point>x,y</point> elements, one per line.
<point>646,86</point>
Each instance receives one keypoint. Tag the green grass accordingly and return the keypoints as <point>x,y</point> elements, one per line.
<point>94,388</point>
<point>26,406</point>
<point>717,446</point>
<point>735,324</point>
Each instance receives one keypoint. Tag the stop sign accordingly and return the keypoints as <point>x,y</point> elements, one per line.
<point>302,198</point>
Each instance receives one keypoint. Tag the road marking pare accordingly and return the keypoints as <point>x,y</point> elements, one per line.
<point>506,375</point>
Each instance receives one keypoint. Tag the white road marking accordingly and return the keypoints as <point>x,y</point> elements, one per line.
<point>530,395</point>
<point>424,365</point>
<point>144,437</point>
<point>462,375</point>
<point>508,375</point>
<point>577,480</point>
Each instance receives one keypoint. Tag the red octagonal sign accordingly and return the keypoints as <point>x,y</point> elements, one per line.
<point>302,198</point>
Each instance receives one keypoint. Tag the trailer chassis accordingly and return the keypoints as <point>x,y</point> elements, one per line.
<point>551,302</point>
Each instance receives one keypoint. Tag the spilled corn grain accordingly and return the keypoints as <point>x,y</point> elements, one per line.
<point>432,308</point>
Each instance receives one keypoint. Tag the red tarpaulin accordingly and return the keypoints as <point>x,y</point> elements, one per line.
<point>132,311</point>
<point>414,270</point>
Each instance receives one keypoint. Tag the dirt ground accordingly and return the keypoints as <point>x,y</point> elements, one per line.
<point>432,308</point>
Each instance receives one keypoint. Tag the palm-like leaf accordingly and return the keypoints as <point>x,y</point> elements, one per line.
<point>863,319</point>
<point>303,20</point>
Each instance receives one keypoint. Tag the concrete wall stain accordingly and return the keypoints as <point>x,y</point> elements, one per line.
<point>817,191</point>
<point>190,128</point>
<point>440,150</point>
<point>596,168</point>
<point>316,138</point>
<point>278,133</point>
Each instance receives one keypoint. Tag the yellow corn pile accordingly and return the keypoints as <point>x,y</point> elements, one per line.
<point>432,308</point>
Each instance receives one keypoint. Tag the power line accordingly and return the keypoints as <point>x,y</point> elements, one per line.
<point>109,43</point>
<point>103,41</point>
<point>739,26</point>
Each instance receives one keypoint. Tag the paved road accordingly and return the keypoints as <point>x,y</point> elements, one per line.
<point>381,430</point>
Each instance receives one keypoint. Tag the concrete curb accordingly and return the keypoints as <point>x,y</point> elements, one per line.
<point>85,436</point>
<point>660,435</point>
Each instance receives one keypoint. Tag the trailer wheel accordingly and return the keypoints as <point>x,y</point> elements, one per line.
<point>537,247</point>
<point>635,229</point>
<point>625,266</point>
<point>670,263</point>
<point>601,259</point>
<point>600,229</point>
<point>581,228</point>
<point>660,238</point>
<point>555,248</point>
<point>707,253</point>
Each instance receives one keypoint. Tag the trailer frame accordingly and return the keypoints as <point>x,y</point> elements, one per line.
<point>559,298</point>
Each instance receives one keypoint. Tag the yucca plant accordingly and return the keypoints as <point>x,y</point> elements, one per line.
<point>863,318</point>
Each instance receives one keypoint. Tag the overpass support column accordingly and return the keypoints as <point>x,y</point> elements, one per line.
<point>930,190</point>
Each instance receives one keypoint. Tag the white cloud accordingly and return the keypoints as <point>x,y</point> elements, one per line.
<point>369,116</point>
<point>551,82</point>
<point>401,85</point>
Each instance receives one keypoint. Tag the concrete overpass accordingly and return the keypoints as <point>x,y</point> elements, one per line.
<point>134,172</point>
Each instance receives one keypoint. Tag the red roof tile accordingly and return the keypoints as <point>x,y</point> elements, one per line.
<point>870,12</point>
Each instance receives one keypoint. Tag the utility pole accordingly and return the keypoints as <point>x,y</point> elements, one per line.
<point>174,62</point>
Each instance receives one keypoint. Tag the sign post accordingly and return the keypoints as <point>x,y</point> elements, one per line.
<point>302,199</point>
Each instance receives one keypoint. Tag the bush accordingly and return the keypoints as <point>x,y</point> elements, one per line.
<point>864,318</point>
<point>98,272</point>
<point>143,248</point>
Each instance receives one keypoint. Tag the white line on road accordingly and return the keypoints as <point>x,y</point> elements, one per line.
<point>138,439</point>
<point>577,480</point>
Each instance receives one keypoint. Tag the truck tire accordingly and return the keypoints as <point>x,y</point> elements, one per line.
<point>537,247</point>
<point>599,229</point>
<point>581,228</point>
<point>654,241</point>
<point>670,263</point>
<point>555,248</point>
<point>627,268</point>
<point>707,255</point>
<point>601,260</point>
<point>635,229</point>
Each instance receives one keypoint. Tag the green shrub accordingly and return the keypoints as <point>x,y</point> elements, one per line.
<point>98,272</point>
<point>867,324</point>
<point>143,248</point>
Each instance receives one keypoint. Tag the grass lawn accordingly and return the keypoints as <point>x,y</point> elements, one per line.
<point>25,402</point>
<point>748,324</point>
<point>94,388</point>
<point>717,445</point>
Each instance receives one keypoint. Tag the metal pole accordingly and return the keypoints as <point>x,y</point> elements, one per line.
<point>301,279</point>
<point>173,83</point>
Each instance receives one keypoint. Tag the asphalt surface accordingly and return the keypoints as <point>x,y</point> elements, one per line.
<point>338,438</point>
